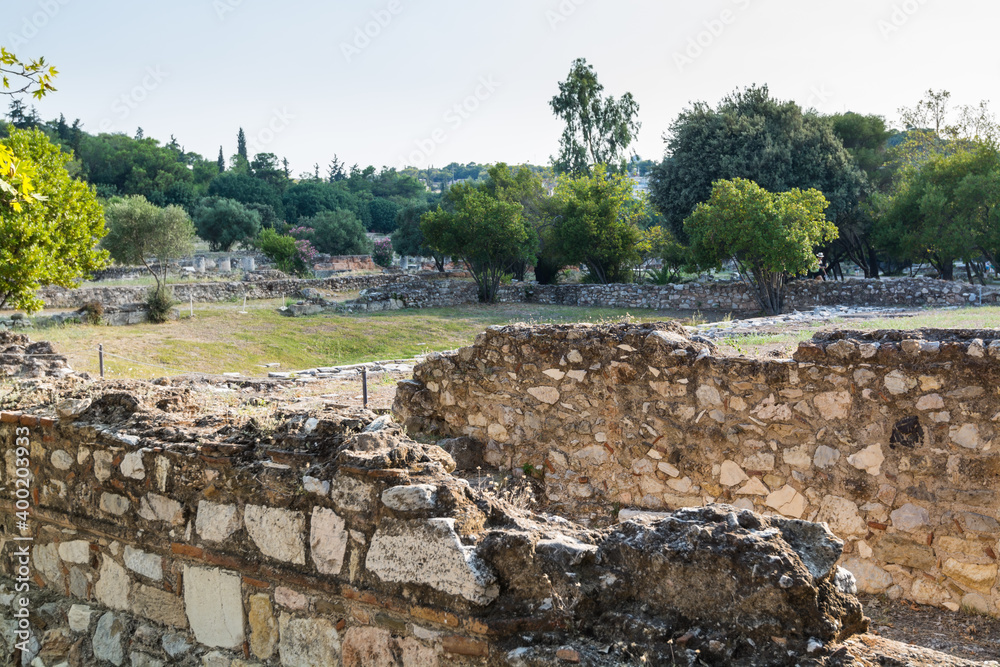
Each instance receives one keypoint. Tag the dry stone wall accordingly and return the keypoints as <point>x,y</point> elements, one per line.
<point>891,438</point>
<point>153,538</point>
<point>205,292</point>
<point>802,295</point>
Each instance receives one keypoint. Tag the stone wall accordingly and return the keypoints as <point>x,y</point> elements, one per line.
<point>149,535</point>
<point>890,437</point>
<point>206,292</point>
<point>802,295</point>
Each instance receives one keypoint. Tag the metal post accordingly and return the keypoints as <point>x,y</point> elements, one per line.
<point>100,358</point>
<point>364,387</point>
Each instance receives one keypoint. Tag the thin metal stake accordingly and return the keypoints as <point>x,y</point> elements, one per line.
<point>100,358</point>
<point>364,387</point>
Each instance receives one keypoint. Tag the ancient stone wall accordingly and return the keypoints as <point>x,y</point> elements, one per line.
<point>891,438</point>
<point>802,295</point>
<point>147,536</point>
<point>206,292</point>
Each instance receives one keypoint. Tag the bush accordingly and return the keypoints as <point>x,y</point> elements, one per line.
<point>93,313</point>
<point>382,253</point>
<point>225,222</point>
<point>337,233</point>
<point>289,254</point>
<point>158,305</point>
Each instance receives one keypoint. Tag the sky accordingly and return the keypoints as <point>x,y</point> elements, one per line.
<point>399,82</point>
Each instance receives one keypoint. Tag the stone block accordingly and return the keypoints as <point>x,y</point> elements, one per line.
<point>215,522</point>
<point>109,638</point>
<point>213,603</point>
<point>327,540</point>
<point>900,550</point>
<point>112,585</point>
<point>154,507</point>
<point>77,551</point>
<point>307,642</point>
<point>263,626</point>
<point>158,606</point>
<point>412,498</point>
<point>140,562</point>
<point>910,518</point>
<point>277,532</point>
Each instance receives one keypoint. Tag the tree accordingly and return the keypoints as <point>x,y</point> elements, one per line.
<point>383,215</point>
<point>769,236</point>
<point>488,233</point>
<point>50,224</point>
<point>245,189</point>
<point>408,239</point>
<point>31,77</point>
<point>657,243</point>
<point>599,225</point>
<point>337,233</point>
<point>750,135</point>
<point>598,130</point>
<point>948,211</point>
<point>221,161</point>
<point>225,222</point>
<point>139,230</point>
<point>241,145</point>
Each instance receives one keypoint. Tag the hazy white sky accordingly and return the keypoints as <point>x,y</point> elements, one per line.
<point>447,80</point>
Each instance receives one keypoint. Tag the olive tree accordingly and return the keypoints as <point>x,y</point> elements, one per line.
<point>769,236</point>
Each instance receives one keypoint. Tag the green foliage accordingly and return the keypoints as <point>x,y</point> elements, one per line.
<point>382,253</point>
<point>751,135</point>
<point>383,215</point>
<point>408,239</point>
<point>50,225</point>
<point>225,222</point>
<point>770,236</point>
<point>139,230</point>
<point>283,251</point>
<point>657,243</point>
<point>31,77</point>
<point>337,233</point>
<point>599,225</point>
<point>490,234</point>
<point>598,129</point>
<point>246,189</point>
<point>948,210</point>
<point>158,304</point>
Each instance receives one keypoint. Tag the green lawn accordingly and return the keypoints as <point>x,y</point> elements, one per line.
<point>220,339</point>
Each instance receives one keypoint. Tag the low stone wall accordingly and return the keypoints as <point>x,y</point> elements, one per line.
<point>890,437</point>
<point>801,295</point>
<point>145,538</point>
<point>205,292</point>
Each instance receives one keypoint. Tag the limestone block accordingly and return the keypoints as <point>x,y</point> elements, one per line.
<point>842,516</point>
<point>102,465</point>
<point>732,474</point>
<point>497,432</point>
<point>926,592</point>
<point>158,606</point>
<point>263,626</point>
<point>327,540</point>
<point>114,504</point>
<point>289,599</point>
<point>79,617</point>
<point>930,402</point>
<point>869,459</point>
<point>869,576</point>
<point>112,585</point>
<point>352,495</point>
<point>833,404</point>
<point>787,501</point>
<point>798,457</point>
<point>61,460</point>
<point>277,532</point>
<point>708,396</point>
<point>77,551</point>
<point>132,467</point>
<point>155,507</point>
<point>899,550</point>
<point>108,641</point>
<point>763,461</point>
<point>213,603</point>
<point>594,455</point>
<point>897,382</point>
<point>140,562</point>
<point>910,518</point>
<point>548,395</point>
<point>825,457</point>
<point>215,522</point>
<point>754,487</point>
<point>430,552</point>
<point>413,498</point>
<point>966,435</point>
<point>377,647</point>
<point>981,578</point>
<point>307,642</point>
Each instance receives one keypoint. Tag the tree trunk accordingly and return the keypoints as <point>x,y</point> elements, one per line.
<point>871,270</point>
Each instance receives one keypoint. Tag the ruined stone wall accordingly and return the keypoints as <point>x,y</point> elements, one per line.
<point>154,539</point>
<point>891,438</point>
<point>205,292</point>
<point>801,295</point>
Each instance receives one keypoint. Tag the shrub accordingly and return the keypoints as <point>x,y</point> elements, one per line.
<point>93,312</point>
<point>382,253</point>
<point>293,256</point>
<point>158,305</point>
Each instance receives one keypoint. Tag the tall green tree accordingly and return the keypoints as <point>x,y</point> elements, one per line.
<point>751,135</point>
<point>50,223</point>
<point>220,162</point>
<point>139,231</point>
<point>225,222</point>
<point>336,233</point>
<point>598,129</point>
<point>489,234</point>
<point>241,145</point>
<point>599,225</point>
<point>769,236</point>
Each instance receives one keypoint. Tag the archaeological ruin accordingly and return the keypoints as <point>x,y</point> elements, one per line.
<point>699,510</point>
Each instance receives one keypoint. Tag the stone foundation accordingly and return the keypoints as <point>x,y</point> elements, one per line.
<point>890,438</point>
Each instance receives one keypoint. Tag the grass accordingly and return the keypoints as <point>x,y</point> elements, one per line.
<point>219,339</point>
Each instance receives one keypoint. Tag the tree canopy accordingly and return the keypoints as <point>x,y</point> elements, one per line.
<point>49,238</point>
<point>598,129</point>
<point>226,222</point>
<point>769,236</point>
